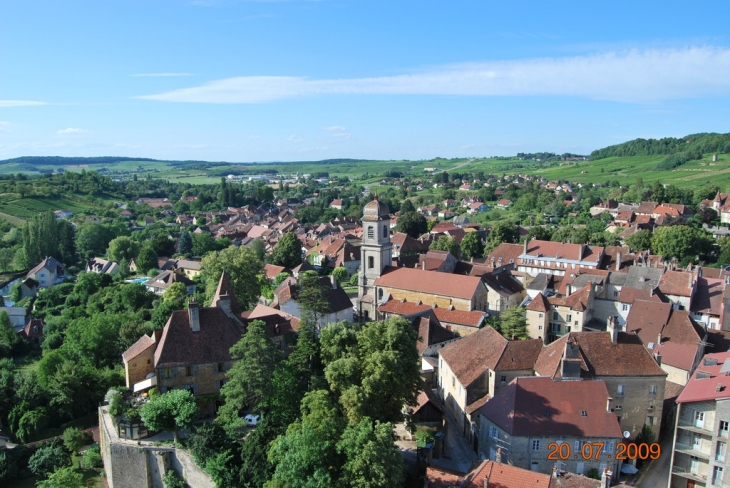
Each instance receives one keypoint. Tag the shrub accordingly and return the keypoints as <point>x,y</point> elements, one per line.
<point>173,480</point>
<point>92,458</point>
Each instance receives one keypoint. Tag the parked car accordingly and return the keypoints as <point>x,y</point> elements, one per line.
<point>252,420</point>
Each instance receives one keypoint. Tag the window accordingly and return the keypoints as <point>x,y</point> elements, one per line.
<point>652,389</point>
<point>504,379</point>
<point>188,370</point>
<point>720,451</point>
<point>609,447</point>
<point>371,232</point>
<point>724,427</point>
<point>385,231</point>
<point>380,293</point>
<point>649,421</point>
<point>441,363</point>
<point>371,262</point>
<point>459,390</point>
<point>624,306</point>
<point>555,315</point>
<point>620,390</point>
<point>575,323</point>
<point>539,327</point>
<point>535,445</point>
<point>717,473</point>
<point>568,318</point>
<point>168,373</point>
<point>700,419</point>
<point>493,432</point>
<point>615,294</point>
<point>220,368</point>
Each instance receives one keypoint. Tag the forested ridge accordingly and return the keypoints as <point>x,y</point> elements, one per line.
<point>702,143</point>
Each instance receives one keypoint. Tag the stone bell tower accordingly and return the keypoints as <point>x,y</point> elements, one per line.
<point>376,254</point>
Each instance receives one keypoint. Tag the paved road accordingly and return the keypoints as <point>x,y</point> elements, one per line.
<point>457,454</point>
<point>658,474</point>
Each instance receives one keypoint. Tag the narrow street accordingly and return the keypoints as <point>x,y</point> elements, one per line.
<point>658,474</point>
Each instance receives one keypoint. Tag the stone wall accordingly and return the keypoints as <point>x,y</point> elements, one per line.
<point>140,464</point>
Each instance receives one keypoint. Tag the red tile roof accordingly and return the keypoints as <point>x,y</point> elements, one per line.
<point>531,406</point>
<point>709,381</point>
<point>272,271</point>
<point>431,282</point>
<point>504,476</point>
<point>539,304</point>
<point>460,317</point>
<point>573,252</point>
<point>677,283</point>
<point>144,343</point>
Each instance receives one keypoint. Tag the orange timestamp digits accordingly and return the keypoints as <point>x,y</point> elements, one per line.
<point>638,451</point>
<point>592,450</point>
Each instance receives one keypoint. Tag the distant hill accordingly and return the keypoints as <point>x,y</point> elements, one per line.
<point>698,143</point>
<point>63,161</point>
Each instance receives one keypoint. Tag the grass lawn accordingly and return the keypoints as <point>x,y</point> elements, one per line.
<point>29,362</point>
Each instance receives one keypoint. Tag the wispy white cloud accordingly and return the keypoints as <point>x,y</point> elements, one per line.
<point>160,75</point>
<point>335,127</point>
<point>72,130</point>
<point>19,103</point>
<point>294,138</point>
<point>633,76</point>
<point>344,135</point>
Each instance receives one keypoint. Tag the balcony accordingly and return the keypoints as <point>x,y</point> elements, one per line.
<point>145,384</point>
<point>690,426</point>
<point>685,473</point>
<point>692,450</point>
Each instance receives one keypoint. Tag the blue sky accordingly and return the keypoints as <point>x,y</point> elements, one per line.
<point>240,80</point>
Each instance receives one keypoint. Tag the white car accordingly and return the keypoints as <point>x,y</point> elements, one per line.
<point>252,420</point>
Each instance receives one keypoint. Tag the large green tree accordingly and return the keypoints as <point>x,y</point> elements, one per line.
<point>288,251</point>
<point>122,248</point>
<point>681,242</point>
<point>373,460</point>
<point>250,378</point>
<point>146,259</point>
<point>447,243</point>
<point>639,240</point>
<point>471,245</point>
<point>513,324</point>
<point>412,223</point>
<point>242,266</point>
<point>185,243</point>
<point>173,411</point>
<point>40,238</point>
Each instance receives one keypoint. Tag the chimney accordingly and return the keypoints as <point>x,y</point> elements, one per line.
<point>224,303</point>
<point>658,358</point>
<point>555,471</point>
<point>333,280</point>
<point>606,478</point>
<point>194,315</point>
<point>611,327</point>
<point>423,265</point>
<point>498,457</point>
<point>608,404</point>
<point>659,339</point>
<point>525,248</point>
<point>618,261</point>
<point>485,483</point>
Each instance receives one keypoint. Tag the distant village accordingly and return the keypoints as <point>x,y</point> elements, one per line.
<point>613,345</point>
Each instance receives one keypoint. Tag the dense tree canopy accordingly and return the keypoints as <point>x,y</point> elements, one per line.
<point>288,251</point>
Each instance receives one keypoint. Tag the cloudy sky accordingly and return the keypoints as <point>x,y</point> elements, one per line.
<point>241,80</point>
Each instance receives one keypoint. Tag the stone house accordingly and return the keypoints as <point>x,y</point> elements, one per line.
<point>576,413</point>
<point>472,369</point>
<point>633,378</point>
<point>47,273</point>
<point>191,352</point>
<point>558,258</point>
<point>460,322</point>
<point>550,318</point>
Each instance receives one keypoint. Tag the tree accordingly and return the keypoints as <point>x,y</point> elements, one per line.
<point>502,232</point>
<point>373,460</point>
<point>74,438</point>
<point>163,245</point>
<point>639,240</point>
<point>514,323</point>
<point>680,241</point>
<point>185,243</point>
<point>249,380</point>
<point>10,341</point>
<point>64,477</point>
<point>376,376</point>
<point>412,223</point>
<point>288,251</point>
<point>407,206</point>
<point>242,266</point>
<point>203,243</point>
<point>122,248</point>
<point>47,458</point>
<point>341,274</point>
<point>175,293</point>
<point>147,259</point>
<point>471,245</point>
<point>40,238</point>
<point>447,243</point>
<point>172,411</point>
<point>312,296</point>
<point>66,241</point>
<point>173,480</point>
<point>93,239</point>
<point>280,278</point>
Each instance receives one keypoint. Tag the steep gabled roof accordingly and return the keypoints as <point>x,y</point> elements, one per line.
<point>225,288</point>
<point>180,346</point>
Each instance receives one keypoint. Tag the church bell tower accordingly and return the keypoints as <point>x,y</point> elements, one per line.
<point>376,254</point>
